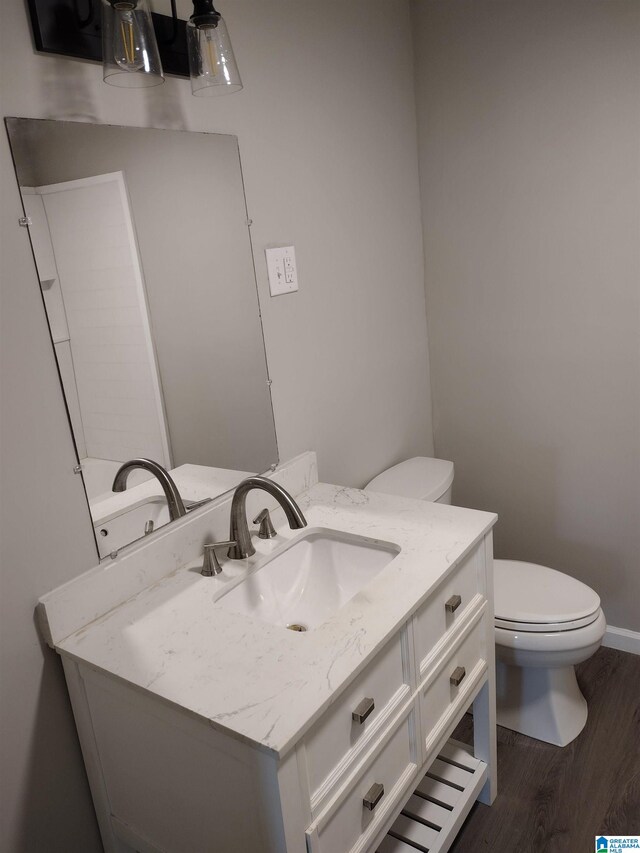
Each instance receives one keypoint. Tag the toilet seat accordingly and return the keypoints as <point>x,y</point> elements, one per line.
<point>534,598</point>
<point>547,627</point>
<point>547,645</point>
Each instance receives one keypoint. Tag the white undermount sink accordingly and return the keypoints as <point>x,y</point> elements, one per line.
<point>310,580</point>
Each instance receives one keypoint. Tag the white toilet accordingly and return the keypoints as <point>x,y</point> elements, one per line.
<point>545,623</point>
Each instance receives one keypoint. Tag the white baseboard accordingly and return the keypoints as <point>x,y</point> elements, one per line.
<point>622,639</point>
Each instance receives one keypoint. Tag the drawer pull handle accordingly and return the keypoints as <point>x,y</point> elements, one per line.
<point>362,711</point>
<point>457,675</point>
<point>373,796</point>
<point>452,604</point>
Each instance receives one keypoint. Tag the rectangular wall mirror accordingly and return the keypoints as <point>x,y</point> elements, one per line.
<point>143,254</point>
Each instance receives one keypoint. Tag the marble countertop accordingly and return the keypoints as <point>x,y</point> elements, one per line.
<point>259,682</point>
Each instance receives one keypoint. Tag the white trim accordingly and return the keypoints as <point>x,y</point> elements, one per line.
<point>146,320</point>
<point>622,639</point>
<point>119,179</point>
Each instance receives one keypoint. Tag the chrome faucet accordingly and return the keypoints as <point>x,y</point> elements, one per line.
<point>239,534</point>
<point>171,493</point>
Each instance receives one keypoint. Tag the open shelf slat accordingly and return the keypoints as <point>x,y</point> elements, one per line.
<point>432,816</point>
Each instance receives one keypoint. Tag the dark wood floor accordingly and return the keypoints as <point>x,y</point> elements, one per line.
<point>557,800</point>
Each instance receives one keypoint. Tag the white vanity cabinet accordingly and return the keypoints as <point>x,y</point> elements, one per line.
<point>164,780</point>
<point>421,689</point>
<point>204,730</point>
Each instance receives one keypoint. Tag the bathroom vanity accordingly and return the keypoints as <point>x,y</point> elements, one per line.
<point>207,726</point>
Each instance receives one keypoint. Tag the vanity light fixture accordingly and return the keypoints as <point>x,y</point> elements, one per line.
<point>130,56</point>
<point>137,46</point>
<point>212,64</point>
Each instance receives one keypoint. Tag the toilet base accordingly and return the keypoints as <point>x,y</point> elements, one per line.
<point>541,702</point>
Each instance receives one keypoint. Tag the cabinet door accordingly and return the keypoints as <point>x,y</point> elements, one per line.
<point>448,606</point>
<point>348,727</point>
<point>446,690</point>
<point>349,824</point>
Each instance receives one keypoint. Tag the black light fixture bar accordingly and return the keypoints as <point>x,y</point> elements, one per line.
<point>73,28</point>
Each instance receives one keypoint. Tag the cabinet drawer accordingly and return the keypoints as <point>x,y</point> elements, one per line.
<point>439,694</point>
<point>448,604</point>
<point>347,827</point>
<point>337,736</point>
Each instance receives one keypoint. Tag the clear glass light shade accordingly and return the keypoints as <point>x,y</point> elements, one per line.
<point>211,61</point>
<point>130,57</point>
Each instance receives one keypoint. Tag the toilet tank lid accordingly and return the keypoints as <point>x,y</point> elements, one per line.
<point>422,477</point>
<point>528,592</point>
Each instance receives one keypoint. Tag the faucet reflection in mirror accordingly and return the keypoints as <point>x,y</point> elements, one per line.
<point>171,493</point>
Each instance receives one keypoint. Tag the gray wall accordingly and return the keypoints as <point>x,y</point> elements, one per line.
<point>45,539</point>
<point>328,144</point>
<point>529,122</point>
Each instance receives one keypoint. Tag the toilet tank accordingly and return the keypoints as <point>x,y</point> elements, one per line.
<point>421,478</point>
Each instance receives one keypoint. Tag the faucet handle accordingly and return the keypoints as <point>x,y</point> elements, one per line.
<point>267,530</point>
<point>210,564</point>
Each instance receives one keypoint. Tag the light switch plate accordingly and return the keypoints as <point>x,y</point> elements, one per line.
<point>281,265</point>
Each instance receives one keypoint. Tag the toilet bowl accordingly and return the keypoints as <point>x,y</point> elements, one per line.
<point>546,622</point>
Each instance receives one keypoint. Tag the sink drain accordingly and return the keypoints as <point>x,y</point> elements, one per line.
<point>297,626</point>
